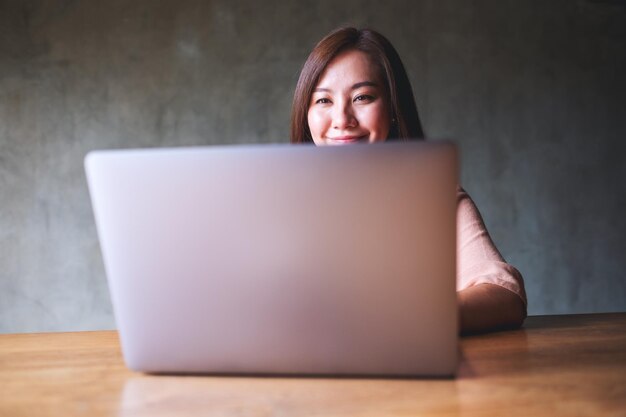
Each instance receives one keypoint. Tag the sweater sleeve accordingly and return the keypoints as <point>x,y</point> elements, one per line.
<point>478,259</point>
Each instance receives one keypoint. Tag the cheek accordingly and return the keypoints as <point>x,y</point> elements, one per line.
<point>377,120</point>
<point>316,122</point>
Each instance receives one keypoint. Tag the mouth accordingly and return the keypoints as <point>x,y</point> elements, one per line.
<point>344,140</point>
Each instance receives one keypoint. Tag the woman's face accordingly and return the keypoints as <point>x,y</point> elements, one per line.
<point>349,104</point>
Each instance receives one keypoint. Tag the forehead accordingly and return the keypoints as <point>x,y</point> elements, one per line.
<point>349,67</point>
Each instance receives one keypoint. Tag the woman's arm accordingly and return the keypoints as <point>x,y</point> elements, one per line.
<point>490,292</point>
<point>486,307</point>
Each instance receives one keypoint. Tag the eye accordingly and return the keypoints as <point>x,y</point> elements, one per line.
<point>364,97</point>
<point>322,101</point>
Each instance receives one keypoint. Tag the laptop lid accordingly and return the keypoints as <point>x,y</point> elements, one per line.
<point>281,259</point>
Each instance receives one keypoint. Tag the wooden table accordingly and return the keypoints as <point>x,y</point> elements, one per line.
<point>554,366</point>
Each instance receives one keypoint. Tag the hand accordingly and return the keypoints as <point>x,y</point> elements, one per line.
<point>487,307</point>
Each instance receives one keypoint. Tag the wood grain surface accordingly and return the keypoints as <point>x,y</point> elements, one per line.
<point>554,366</point>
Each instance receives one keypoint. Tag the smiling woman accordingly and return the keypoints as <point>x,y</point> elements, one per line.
<point>376,61</point>
<point>350,103</point>
<point>353,88</point>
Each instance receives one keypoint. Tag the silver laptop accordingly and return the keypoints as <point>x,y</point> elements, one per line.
<point>281,259</point>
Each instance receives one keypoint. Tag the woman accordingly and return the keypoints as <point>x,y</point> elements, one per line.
<point>353,88</point>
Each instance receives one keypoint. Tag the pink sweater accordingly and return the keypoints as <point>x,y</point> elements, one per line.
<point>478,259</point>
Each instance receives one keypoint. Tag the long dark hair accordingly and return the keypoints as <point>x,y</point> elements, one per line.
<point>405,119</point>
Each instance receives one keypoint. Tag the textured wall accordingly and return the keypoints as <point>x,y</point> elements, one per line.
<point>533,91</point>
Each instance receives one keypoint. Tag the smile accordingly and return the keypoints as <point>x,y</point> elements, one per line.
<point>347,139</point>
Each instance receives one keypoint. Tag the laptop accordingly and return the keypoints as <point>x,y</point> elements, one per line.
<point>281,259</point>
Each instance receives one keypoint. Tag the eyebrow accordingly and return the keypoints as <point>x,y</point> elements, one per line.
<point>354,86</point>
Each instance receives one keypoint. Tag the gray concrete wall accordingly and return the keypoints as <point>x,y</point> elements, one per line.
<point>533,91</point>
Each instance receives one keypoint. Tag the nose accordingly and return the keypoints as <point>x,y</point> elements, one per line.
<point>343,116</point>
